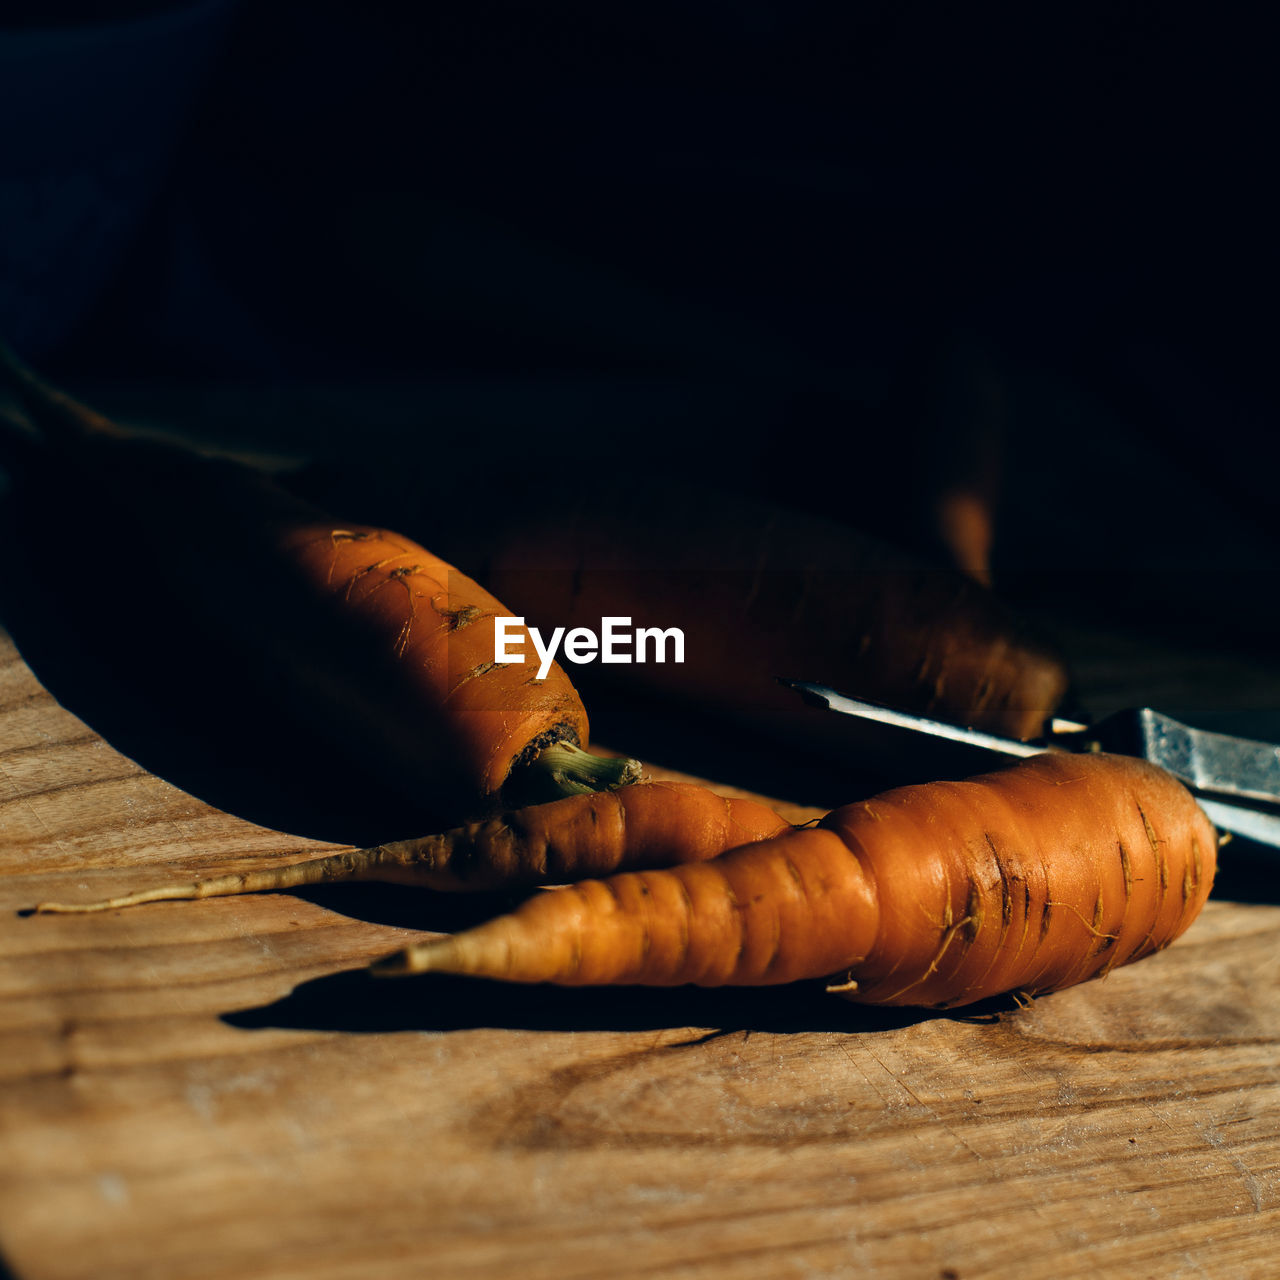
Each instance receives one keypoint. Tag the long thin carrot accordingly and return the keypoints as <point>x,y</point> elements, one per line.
<point>1031,879</point>
<point>653,824</point>
<point>385,646</point>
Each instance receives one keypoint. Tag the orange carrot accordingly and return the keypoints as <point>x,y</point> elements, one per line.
<point>759,591</point>
<point>651,824</point>
<point>763,592</point>
<point>386,646</point>
<point>1028,880</point>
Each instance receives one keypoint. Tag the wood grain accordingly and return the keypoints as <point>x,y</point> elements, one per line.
<point>207,1090</point>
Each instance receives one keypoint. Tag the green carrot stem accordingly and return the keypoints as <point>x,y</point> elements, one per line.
<point>565,770</point>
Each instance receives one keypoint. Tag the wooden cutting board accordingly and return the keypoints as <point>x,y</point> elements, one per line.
<point>209,1089</point>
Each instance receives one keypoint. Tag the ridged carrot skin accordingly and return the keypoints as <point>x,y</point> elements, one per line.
<point>1032,879</point>
<point>439,706</point>
<point>649,824</point>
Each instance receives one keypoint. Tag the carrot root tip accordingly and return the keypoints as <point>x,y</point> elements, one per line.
<point>401,963</point>
<point>844,988</point>
<point>69,908</point>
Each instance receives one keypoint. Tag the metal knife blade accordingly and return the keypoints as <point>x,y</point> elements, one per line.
<point>1236,780</point>
<point>1213,764</point>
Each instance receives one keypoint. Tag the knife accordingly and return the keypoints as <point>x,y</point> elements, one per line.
<point>1235,780</point>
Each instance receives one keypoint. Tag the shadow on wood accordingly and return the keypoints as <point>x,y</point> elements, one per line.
<point>1248,872</point>
<point>406,907</point>
<point>356,1002</point>
<point>109,637</point>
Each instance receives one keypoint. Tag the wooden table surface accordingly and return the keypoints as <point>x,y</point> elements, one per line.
<point>208,1089</point>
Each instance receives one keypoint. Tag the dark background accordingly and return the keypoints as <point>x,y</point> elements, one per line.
<point>826,252</point>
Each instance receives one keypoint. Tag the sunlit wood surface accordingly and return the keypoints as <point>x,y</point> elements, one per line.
<point>210,1089</point>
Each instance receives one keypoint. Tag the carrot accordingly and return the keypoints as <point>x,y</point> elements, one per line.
<point>1028,880</point>
<point>644,825</point>
<point>967,528</point>
<point>759,591</point>
<point>385,645</point>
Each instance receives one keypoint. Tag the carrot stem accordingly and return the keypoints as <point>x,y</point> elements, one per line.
<point>565,770</point>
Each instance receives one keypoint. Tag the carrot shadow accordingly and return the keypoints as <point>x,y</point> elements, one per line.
<point>106,633</point>
<point>405,907</point>
<point>355,1001</point>
<point>358,1003</point>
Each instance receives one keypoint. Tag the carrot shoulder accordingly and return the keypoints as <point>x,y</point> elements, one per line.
<point>1031,879</point>
<point>435,696</point>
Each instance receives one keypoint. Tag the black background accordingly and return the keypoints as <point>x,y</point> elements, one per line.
<point>782,246</point>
